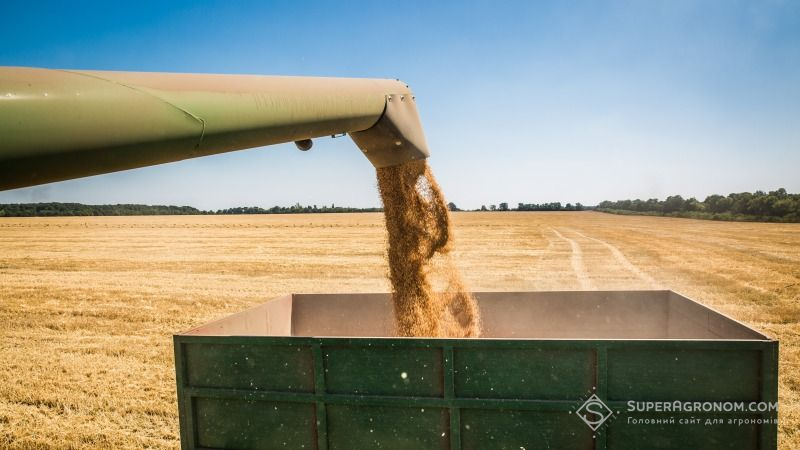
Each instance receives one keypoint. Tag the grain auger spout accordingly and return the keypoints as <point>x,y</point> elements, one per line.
<point>62,124</point>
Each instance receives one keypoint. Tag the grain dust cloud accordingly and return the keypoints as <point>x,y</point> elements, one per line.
<point>428,296</point>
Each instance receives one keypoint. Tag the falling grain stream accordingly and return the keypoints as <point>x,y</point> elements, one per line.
<point>428,295</point>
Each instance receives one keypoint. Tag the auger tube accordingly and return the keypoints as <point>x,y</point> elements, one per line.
<point>62,124</point>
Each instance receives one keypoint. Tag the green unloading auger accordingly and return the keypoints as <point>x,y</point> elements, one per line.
<point>62,124</point>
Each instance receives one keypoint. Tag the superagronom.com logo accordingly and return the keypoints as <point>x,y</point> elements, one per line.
<point>594,412</point>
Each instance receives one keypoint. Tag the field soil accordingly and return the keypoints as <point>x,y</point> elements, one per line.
<point>88,306</point>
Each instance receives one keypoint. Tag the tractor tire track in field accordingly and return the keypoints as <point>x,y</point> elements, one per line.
<point>576,259</point>
<point>621,259</point>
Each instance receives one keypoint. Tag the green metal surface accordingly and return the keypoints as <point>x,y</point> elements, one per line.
<point>714,376</point>
<point>244,424</point>
<point>395,393</point>
<point>63,124</point>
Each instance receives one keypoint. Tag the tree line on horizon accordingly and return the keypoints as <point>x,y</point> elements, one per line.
<point>773,206</point>
<point>56,209</point>
<point>553,206</point>
<point>294,209</point>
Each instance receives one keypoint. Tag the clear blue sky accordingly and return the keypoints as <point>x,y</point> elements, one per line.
<point>527,101</point>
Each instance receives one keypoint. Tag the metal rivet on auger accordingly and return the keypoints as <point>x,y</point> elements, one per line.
<point>304,144</point>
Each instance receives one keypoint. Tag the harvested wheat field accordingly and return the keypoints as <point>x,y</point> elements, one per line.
<point>88,305</point>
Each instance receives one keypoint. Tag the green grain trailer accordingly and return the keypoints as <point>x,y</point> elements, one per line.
<point>323,371</point>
